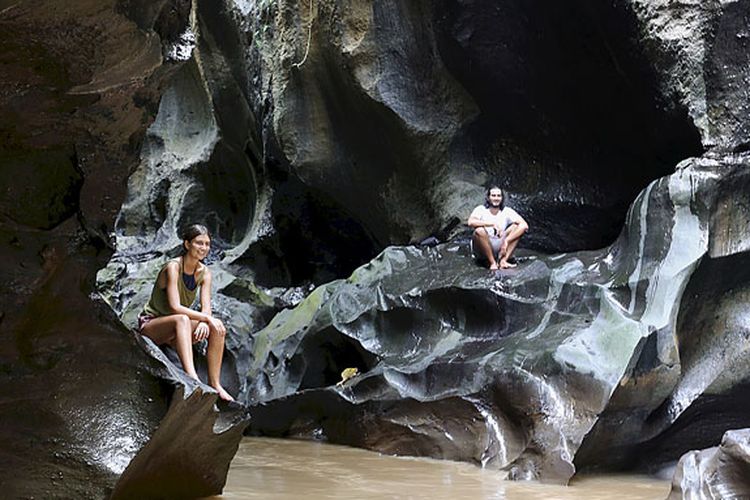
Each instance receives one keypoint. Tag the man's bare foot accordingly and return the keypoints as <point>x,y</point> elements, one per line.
<point>504,264</point>
<point>493,266</point>
<point>224,394</point>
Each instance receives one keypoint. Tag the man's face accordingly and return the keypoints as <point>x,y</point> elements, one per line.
<point>496,197</point>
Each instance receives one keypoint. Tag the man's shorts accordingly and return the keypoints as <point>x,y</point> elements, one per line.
<point>495,242</point>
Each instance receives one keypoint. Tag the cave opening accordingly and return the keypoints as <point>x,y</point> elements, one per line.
<point>322,241</point>
<point>324,355</point>
<point>573,118</point>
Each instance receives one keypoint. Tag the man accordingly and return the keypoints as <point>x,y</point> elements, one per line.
<point>497,230</point>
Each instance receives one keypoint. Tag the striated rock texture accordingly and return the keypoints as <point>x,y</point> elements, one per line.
<point>313,136</point>
<point>184,457</point>
<point>715,473</point>
<point>80,82</point>
<point>513,370</point>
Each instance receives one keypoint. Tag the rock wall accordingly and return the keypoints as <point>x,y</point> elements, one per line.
<point>427,103</point>
<point>718,472</point>
<point>80,84</point>
<point>575,109</point>
<point>311,137</point>
<point>544,356</point>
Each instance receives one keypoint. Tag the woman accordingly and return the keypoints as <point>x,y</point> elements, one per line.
<point>167,317</point>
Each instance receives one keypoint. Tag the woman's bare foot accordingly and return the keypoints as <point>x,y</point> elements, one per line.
<point>224,394</point>
<point>493,266</point>
<point>504,264</point>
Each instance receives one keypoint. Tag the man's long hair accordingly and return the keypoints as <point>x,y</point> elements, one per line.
<point>487,203</point>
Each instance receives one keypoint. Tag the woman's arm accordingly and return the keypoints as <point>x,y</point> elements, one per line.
<point>214,324</point>
<point>206,292</point>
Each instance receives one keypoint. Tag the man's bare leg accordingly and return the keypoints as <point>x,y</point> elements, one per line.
<point>214,356</point>
<point>513,236</point>
<point>482,243</point>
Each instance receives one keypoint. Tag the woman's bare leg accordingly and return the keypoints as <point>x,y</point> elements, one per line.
<point>176,330</point>
<point>214,356</point>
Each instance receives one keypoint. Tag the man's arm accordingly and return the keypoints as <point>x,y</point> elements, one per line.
<point>518,226</point>
<point>476,221</point>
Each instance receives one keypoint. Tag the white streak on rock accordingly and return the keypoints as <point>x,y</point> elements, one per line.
<point>636,276</point>
<point>688,244</point>
<point>494,432</point>
<point>558,278</point>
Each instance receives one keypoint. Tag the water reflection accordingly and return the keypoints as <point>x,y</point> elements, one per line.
<point>286,469</point>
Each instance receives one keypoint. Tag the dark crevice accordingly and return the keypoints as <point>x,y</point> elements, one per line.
<point>700,426</point>
<point>322,241</point>
<point>475,313</point>
<point>323,356</point>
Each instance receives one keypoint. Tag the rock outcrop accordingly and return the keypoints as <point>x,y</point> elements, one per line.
<point>715,473</point>
<point>80,84</point>
<point>315,140</point>
<point>533,354</point>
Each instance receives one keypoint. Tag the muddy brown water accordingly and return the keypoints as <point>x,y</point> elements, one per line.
<point>287,469</point>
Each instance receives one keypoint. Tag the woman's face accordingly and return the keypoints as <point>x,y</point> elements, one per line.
<point>198,247</point>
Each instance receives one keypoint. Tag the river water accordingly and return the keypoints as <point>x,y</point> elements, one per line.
<point>287,469</point>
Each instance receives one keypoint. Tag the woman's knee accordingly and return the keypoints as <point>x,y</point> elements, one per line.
<point>216,338</point>
<point>182,322</point>
<point>480,232</point>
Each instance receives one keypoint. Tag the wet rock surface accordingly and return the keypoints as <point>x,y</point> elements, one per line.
<point>188,456</point>
<point>719,472</point>
<point>316,140</point>
<point>562,104</point>
<point>80,83</point>
<point>538,350</point>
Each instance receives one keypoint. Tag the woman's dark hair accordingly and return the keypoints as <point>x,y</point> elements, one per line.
<point>191,231</point>
<point>487,196</point>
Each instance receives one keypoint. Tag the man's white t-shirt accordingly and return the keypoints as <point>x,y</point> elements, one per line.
<point>503,218</point>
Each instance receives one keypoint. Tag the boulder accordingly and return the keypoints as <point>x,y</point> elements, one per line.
<point>537,351</point>
<point>715,473</point>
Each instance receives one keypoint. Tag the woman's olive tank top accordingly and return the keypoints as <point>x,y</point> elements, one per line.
<point>158,305</point>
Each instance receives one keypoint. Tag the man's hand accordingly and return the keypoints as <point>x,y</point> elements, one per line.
<point>201,332</point>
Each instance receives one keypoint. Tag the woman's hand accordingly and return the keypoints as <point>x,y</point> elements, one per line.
<point>216,326</point>
<point>201,332</point>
